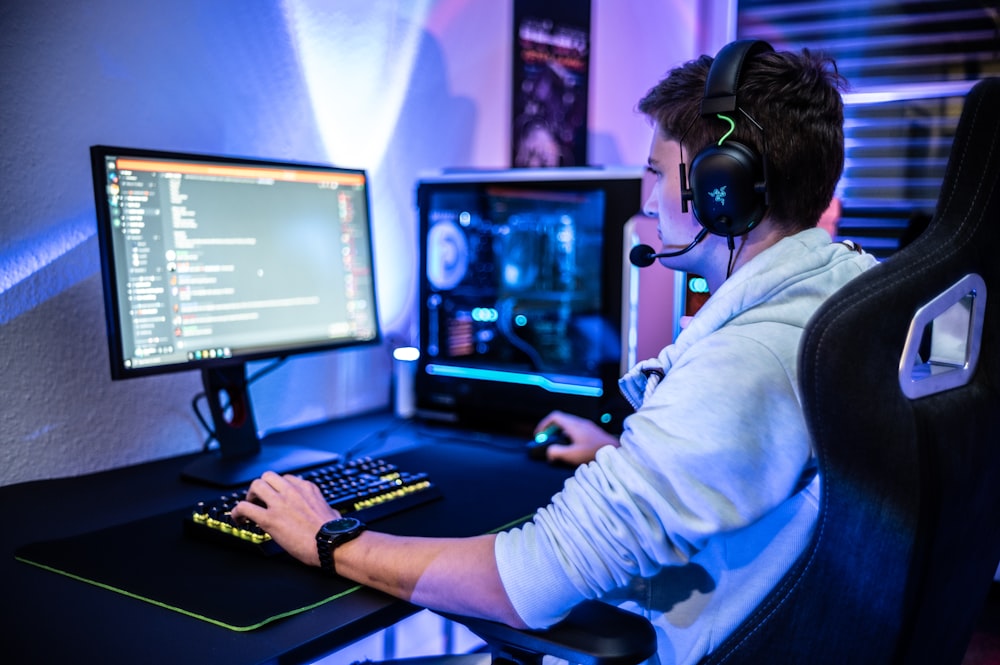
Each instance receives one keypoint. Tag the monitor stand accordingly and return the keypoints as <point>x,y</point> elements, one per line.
<point>241,457</point>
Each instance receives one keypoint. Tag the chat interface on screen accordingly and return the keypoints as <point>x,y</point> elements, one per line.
<point>217,260</point>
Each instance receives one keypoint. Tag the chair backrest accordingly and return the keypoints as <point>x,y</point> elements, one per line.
<point>908,536</point>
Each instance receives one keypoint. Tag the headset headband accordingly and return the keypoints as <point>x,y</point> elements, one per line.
<point>724,77</point>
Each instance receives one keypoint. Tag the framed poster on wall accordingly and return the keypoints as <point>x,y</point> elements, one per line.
<point>550,83</point>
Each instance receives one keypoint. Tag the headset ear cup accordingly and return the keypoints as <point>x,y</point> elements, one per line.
<point>726,192</point>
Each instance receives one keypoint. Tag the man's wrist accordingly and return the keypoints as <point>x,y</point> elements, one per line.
<point>332,535</point>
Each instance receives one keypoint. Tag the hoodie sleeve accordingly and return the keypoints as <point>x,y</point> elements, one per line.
<point>719,443</point>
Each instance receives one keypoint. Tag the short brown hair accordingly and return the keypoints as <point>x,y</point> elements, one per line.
<point>795,98</point>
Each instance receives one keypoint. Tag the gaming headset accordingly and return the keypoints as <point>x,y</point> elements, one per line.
<point>728,180</point>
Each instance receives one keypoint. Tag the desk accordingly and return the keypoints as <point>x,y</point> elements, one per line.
<point>49,618</point>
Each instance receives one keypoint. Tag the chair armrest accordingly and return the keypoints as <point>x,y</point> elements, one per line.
<point>594,633</point>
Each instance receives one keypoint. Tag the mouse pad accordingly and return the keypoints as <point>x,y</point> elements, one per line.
<point>154,561</point>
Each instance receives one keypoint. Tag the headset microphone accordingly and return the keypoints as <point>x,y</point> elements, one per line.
<point>644,255</point>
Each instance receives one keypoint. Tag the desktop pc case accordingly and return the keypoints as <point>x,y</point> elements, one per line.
<point>525,295</point>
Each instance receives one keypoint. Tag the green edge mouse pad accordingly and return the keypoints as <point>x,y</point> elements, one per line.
<point>152,560</point>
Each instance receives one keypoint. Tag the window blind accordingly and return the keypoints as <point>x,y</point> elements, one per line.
<point>909,65</point>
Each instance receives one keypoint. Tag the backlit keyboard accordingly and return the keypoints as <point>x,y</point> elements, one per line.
<point>365,488</point>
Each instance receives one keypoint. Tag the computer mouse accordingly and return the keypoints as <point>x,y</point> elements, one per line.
<point>552,435</point>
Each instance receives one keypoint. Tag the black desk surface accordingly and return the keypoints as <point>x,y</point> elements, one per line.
<point>50,618</point>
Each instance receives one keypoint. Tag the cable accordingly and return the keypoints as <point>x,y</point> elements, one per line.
<point>472,437</point>
<point>373,437</point>
<point>733,253</point>
<point>262,372</point>
<point>201,418</point>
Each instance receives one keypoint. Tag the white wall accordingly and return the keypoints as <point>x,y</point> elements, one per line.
<point>393,87</point>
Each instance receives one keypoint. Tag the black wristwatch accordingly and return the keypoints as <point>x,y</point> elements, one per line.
<point>332,535</point>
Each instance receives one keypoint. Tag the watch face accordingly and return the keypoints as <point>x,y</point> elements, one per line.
<point>332,535</point>
<point>339,526</point>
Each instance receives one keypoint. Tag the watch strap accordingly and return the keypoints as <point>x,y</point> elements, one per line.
<point>327,542</point>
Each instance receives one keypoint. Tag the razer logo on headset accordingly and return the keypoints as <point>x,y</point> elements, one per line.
<point>719,194</point>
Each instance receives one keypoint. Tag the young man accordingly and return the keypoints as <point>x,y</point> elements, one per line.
<point>710,493</point>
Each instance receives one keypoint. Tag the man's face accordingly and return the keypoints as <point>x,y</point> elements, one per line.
<point>675,228</point>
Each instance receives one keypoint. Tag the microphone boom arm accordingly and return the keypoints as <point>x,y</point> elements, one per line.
<point>644,255</point>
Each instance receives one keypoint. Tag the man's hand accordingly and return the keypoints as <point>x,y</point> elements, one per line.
<point>450,574</point>
<point>290,509</point>
<point>585,436</point>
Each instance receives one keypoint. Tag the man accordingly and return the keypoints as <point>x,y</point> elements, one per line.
<point>710,493</point>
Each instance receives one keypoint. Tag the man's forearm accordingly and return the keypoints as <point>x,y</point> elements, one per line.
<point>456,575</point>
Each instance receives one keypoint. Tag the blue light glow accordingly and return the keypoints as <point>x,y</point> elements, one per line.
<point>578,386</point>
<point>40,267</point>
<point>698,285</point>
<point>485,314</point>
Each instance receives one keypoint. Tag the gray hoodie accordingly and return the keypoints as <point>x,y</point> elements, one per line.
<point>712,494</point>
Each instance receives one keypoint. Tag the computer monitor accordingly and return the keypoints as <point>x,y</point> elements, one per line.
<point>209,262</point>
<point>521,295</point>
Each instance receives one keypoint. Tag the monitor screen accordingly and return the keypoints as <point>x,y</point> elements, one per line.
<point>210,261</point>
<point>521,294</point>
